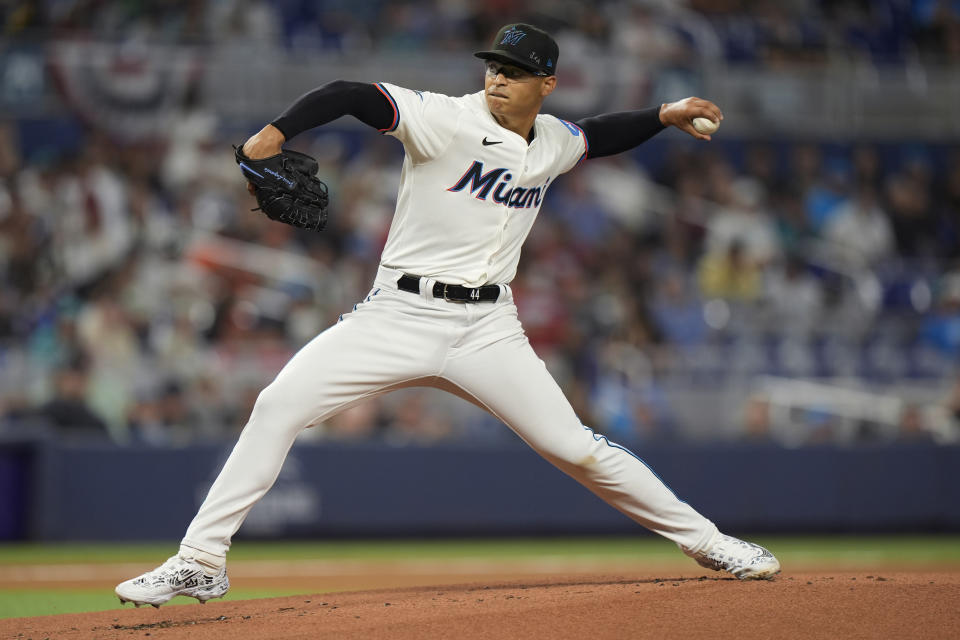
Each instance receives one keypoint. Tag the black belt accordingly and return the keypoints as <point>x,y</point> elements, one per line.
<point>452,292</point>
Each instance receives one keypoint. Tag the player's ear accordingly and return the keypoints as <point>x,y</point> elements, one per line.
<point>549,84</point>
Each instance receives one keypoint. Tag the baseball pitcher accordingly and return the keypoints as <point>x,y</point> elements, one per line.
<point>440,312</point>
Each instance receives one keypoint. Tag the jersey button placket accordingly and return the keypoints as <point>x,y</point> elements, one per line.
<point>506,207</point>
<point>504,219</point>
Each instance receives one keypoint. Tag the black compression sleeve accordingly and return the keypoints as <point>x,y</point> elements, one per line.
<point>612,133</point>
<point>362,100</point>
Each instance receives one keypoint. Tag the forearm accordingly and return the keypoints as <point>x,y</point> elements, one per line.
<point>362,100</point>
<point>612,133</point>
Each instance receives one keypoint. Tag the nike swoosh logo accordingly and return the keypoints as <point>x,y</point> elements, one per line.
<point>487,143</point>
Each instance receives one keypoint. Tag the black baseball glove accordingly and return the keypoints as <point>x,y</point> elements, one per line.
<point>287,188</point>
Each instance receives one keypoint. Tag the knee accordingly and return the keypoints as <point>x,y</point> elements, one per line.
<point>269,401</point>
<point>581,452</point>
<point>275,409</point>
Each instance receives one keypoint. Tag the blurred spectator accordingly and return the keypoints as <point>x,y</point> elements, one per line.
<point>941,329</point>
<point>866,165</point>
<point>951,405</point>
<point>92,231</point>
<point>678,311</point>
<point>937,28</point>
<point>68,411</point>
<point>912,427</point>
<point>360,422</point>
<point>685,227</point>
<point>823,190</point>
<point>793,227</point>
<point>760,167</point>
<point>191,130</point>
<point>794,296</point>
<point>730,274</point>
<point>586,219</point>
<point>742,218</point>
<point>163,419</point>
<point>9,150</point>
<point>624,192</point>
<point>22,16</point>
<point>909,200</point>
<point>628,404</point>
<point>756,418</point>
<point>947,206</point>
<point>211,415</point>
<point>412,420</point>
<point>106,332</point>
<point>641,33</point>
<point>244,23</point>
<point>860,228</point>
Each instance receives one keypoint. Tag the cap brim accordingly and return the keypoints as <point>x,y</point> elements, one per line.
<point>503,56</point>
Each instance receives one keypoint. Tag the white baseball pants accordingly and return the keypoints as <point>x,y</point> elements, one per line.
<point>477,351</point>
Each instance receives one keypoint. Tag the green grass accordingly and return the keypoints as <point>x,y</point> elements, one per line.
<point>843,552</point>
<point>898,551</point>
<point>909,549</point>
<point>345,550</point>
<point>26,603</point>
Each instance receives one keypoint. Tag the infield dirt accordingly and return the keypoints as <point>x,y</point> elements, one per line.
<point>810,605</point>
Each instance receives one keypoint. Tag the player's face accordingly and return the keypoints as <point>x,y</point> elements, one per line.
<point>512,91</point>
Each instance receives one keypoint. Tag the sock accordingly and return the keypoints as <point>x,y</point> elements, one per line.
<point>211,563</point>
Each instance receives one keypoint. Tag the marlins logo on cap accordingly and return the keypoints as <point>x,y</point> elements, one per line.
<point>512,36</point>
<point>526,46</point>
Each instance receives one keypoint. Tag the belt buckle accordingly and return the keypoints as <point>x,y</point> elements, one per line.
<point>445,285</point>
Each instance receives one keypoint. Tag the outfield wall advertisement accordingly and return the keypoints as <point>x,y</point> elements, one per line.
<point>58,492</point>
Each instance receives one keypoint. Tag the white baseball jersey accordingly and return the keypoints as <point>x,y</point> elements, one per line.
<point>470,190</point>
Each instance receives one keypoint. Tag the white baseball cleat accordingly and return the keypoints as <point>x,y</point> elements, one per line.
<point>745,560</point>
<point>175,577</point>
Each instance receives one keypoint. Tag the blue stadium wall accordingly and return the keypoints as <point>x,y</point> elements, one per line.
<point>52,491</point>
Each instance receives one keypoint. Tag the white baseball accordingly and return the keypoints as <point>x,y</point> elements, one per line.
<point>705,126</point>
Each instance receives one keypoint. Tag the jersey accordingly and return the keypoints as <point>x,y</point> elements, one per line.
<point>470,190</point>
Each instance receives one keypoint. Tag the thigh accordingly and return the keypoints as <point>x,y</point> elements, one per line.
<point>383,343</point>
<point>507,378</point>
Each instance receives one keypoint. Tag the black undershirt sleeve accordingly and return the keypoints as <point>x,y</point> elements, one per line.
<point>362,100</point>
<point>612,133</point>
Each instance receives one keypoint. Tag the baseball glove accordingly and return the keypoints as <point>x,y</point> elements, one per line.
<point>287,188</point>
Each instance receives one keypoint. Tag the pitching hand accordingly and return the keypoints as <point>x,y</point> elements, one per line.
<point>680,114</point>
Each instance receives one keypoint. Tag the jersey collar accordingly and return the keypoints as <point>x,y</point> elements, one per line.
<point>486,110</point>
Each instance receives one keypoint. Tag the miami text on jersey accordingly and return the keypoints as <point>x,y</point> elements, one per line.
<point>496,180</point>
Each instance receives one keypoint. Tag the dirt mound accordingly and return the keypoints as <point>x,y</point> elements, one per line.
<point>810,605</point>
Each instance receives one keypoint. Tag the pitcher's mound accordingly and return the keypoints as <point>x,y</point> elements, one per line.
<point>808,605</point>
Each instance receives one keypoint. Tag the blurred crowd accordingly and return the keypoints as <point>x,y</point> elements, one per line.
<point>142,301</point>
<point>773,32</point>
<point>718,268</point>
